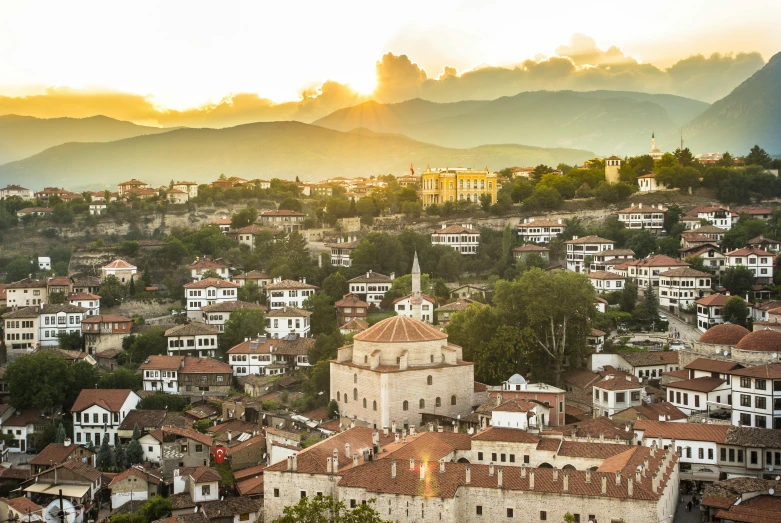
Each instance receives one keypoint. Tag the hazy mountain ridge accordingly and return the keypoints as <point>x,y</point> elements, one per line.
<point>264,150</point>
<point>23,136</point>
<point>608,122</point>
<point>750,114</point>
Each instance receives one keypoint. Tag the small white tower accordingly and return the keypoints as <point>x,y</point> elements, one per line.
<point>416,299</point>
<point>612,166</point>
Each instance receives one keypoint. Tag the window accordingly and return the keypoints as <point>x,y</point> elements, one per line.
<point>355,394</point>
<point>710,454</point>
<point>696,400</point>
<point>543,515</point>
<point>244,517</point>
<point>620,397</point>
<point>509,512</point>
<point>503,457</point>
<point>740,456</point>
<point>745,383</point>
<point>355,378</point>
<point>405,405</point>
<point>422,403</point>
<point>206,490</point>
<point>479,510</point>
<point>364,403</point>
<point>760,402</point>
<point>493,456</point>
<point>723,454</point>
<point>453,399</point>
<point>479,456</point>
<point>438,402</point>
<point>429,380</point>
<point>276,492</point>
<point>512,458</point>
<point>732,455</point>
<point>745,401</point>
<point>760,422</point>
<point>184,449</point>
<point>701,453</point>
<point>760,384</point>
<point>303,494</point>
<point>374,405</point>
<point>754,457</point>
<point>636,396</point>
<point>353,504</point>
<point>526,459</point>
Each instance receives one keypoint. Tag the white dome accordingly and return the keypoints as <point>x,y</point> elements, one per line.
<point>517,379</point>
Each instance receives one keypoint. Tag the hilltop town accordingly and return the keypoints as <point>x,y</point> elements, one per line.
<point>581,343</point>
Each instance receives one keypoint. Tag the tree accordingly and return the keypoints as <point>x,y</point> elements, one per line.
<point>134,453</point>
<point>104,454</point>
<point>250,292</point>
<point>291,204</point>
<point>735,311</point>
<point>450,265</point>
<point>628,299</point>
<point>326,509</point>
<point>131,288</point>
<point>485,202</point>
<point>40,380</point>
<point>244,217</point>
<point>335,286</point>
<point>19,269</point>
<point>85,376</point>
<point>163,401</point>
<point>70,341</point>
<point>758,156</point>
<point>57,298</point>
<point>174,251</point>
<point>112,291</point>
<point>121,378</point>
<point>149,343</point>
<point>242,324</point>
<point>61,434</point>
<point>323,319</point>
<point>738,280</point>
<point>120,461</point>
<point>651,302</point>
<point>684,156</point>
<point>555,306</point>
<point>642,243</point>
<point>136,431</point>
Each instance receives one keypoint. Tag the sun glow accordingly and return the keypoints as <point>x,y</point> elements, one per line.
<point>365,84</point>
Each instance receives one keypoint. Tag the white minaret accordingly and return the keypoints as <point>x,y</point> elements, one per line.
<point>415,299</point>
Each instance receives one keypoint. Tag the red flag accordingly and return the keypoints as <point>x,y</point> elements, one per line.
<point>219,455</point>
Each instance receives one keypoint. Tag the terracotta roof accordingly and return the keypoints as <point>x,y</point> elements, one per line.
<point>704,384</point>
<point>182,501</point>
<point>683,431</point>
<point>192,329</point>
<point>580,378</point>
<point>709,365</point>
<point>24,312</point>
<point>230,306</point>
<point>289,312</point>
<point>145,419</point>
<point>252,275</point>
<point>594,450</point>
<point>458,305</point>
<point>761,239</point>
<point>204,366</point>
<point>212,282</point>
<point>769,371</point>
<point>282,212</point>
<point>351,300</point>
<point>253,229</point>
<point>724,334</point>
<point>259,439</point>
<point>297,347</point>
<point>765,340</point>
<point>431,446</point>
<point>81,469</point>
<point>138,472</point>
<point>207,263</point>
<point>708,229</point>
<point>229,507</point>
<point>589,239</point>
<point>252,486</point>
<point>515,406</point>
<point>26,283</point>
<point>541,223</point>
<point>249,472</point>
<point>505,434</point>
<point>15,473</point>
<point>685,272</point>
<point>289,284</point>
<point>754,437</point>
<point>455,229</point>
<point>355,324</point>
<point>24,505</point>
<point>598,427</point>
<point>182,432</point>
<point>680,373</point>
<point>625,382</point>
<point>109,399</point>
<point>371,277</point>
<point>54,453</point>
<point>605,275</point>
<point>643,359</point>
<point>549,444</point>
<point>162,362</point>
<point>119,264</point>
<point>715,300</point>
<point>35,209</point>
<point>747,251</point>
<point>82,296</point>
<point>652,411</point>
<point>530,247</point>
<point>660,260</point>
<point>400,329</point>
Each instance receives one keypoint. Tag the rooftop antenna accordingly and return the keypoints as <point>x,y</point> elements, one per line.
<point>681,138</point>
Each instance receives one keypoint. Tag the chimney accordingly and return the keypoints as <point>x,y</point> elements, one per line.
<point>385,431</point>
<point>295,462</point>
<point>431,427</point>
<point>422,470</point>
<point>499,477</point>
<point>336,461</point>
<point>645,466</point>
<point>604,484</point>
<point>638,475</point>
<point>630,487</point>
<point>412,463</point>
<point>396,437</point>
<point>290,463</point>
<point>468,479</point>
<point>375,438</point>
<point>640,206</point>
<point>355,460</point>
<point>328,465</point>
<point>565,479</point>
<point>393,469</point>
<point>393,427</point>
<point>588,476</point>
<point>618,478</point>
<point>230,436</point>
<point>653,449</point>
<point>347,449</point>
<point>555,474</point>
<point>66,442</point>
<point>393,276</point>
<point>444,226</point>
<point>523,470</point>
<point>531,479</point>
<point>601,437</point>
<point>442,465</point>
<point>491,469</point>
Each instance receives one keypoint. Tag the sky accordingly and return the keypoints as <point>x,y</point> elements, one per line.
<point>182,54</point>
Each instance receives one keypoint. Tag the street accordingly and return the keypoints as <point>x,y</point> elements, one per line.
<point>686,332</point>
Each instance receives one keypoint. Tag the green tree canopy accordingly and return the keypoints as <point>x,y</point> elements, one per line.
<point>758,156</point>
<point>735,311</point>
<point>335,286</point>
<point>323,318</point>
<point>738,280</point>
<point>112,291</point>
<point>321,509</point>
<point>243,323</point>
<point>40,380</point>
<point>244,217</point>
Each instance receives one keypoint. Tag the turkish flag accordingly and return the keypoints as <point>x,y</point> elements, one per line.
<point>219,455</point>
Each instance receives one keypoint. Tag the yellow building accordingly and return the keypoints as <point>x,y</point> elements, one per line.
<point>452,184</point>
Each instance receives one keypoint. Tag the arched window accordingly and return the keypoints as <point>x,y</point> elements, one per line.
<point>422,403</point>
<point>453,399</point>
<point>355,394</point>
<point>338,396</point>
<point>364,403</point>
<point>438,402</point>
<point>374,405</point>
<point>405,405</point>
<point>365,359</point>
<point>429,380</point>
<point>345,397</point>
<point>460,184</point>
<point>355,378</point>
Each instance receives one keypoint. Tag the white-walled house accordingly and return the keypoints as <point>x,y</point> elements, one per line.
<point>579,248</point>
<point>461,238</point>
<point>616,392</point>
<point>120,269</point>
<point>709,311</point>
<point>219,313</point>
<point>20,425</point>
<point>636,217</point>
<point>58,319</point>
<point>191,188</point>
<point>403,307</point>
<point>288,293</point>
<point>756,396</point>
<point>607,260</point>
<point>97,208</point>
<point>280,323</point>
<point>202,265</point>
<point>98,413</point>
<point>758,261</point>
<point>648,183</point>
<point>519,414</point>
<point>604,281</point>
<point>161,373</point>
<point>694,395</point>
<point>647,270</point>
<point>86,300</point>
<point>192,339</point>
<point>265,356</point>
<point>371,287</point>
<point>202,483</point>
<point>136,484</point>
<point>209,291</point>
<point>532,230</point>
<point>679,288</point>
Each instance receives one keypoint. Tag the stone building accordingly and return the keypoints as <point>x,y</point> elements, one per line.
<point>453,184</point>
<point>105,332</point>
<point>172,448</point>
<point>136,484</point>
<point>120,269</point>
<point>399,369</point>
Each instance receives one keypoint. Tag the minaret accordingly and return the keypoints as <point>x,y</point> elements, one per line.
<point>653,141</point>
<point>415,298</point>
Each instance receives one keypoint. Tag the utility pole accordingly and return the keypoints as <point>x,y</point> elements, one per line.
<point>62,509</point>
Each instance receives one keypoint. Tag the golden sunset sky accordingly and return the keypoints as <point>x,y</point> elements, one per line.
<point>182,54</point>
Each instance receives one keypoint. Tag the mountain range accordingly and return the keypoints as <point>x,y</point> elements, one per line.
<point>260,150</point>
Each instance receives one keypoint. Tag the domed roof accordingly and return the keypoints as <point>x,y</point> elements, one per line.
<point>400,329</point>
<point>516,379</point>
<point>724,334</point>
<point>765,340</point>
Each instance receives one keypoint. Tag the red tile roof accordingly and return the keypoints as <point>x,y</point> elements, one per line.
<point>119,264</point>
<point>704,384</point>
<point>770,371</point>
<point>162,363</point>
<point>109,399</point>
<point>508,435</point>
<point>765,340</point>
<point>219,283</point>
<point>683,431</point>
<point>400,329</point>
<point>724,334</point>
<point>713,300</point>
<point>709,365</point>
<point>208,263</point>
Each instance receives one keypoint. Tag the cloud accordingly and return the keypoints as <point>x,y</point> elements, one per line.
<point>713,77</point>
<point>583,50</point>
<point>398,78</point>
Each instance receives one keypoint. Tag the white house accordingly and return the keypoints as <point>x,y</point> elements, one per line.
<point>98,413</point>
<point>371,287</point>
<point>403,307</point>
<point>21,427</point>
<point>616,392</point>
<point>209,291</point>
<point>202,265</point>
<point>756,396</point>
<point>288,320</point>
<point>648,183</point>
<point>712,258</point>
<point>341,252</point>
<point>462,238</point>
<point>191,188</point>
<point>519,414</point>
<point>604,281</point>
<point>97,208</point>
<point>202,483</point>
<point>532,230</point>
<point>44,263</point>
<point>758,261</point>
<point>721,217</point>
<point>86,300</point>
<point>58,319</point>
<point>709,311</point>
<point>607,260</point>
<point>192,339</point>
<point>219,313</point>
<point>120,269</point>
<point>637,217</point>
<point>177,197</point>
<point>161,373</point>
<point>596,340</point>
<point>678,288</point>
<point>135,483</point>
<point>260,278</point>
<point>9,191</point>
<point>697,444</point>
<point>264,356</point>
<point>645,271</point>
<point>695,394</point>
<point>288,293</point>
<point>580,248</point>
